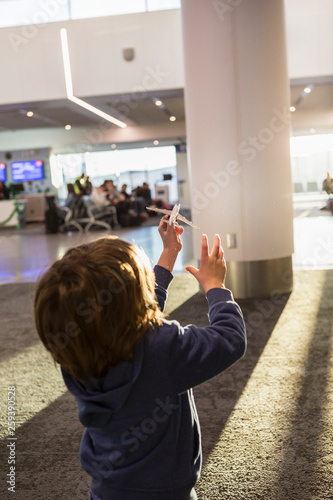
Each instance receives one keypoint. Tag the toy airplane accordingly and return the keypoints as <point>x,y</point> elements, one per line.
<point>174,215</point>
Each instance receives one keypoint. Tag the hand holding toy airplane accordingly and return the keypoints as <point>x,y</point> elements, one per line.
<point>174,215</point>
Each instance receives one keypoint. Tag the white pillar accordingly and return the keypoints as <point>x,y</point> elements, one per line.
<point>184,191</point>
<point>238,128</point>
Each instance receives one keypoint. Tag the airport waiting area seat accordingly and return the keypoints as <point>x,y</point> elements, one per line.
<point>312,187</point>
<point>298,187</point>
<point>69,221</point>
<point>105,217</point>
<point>86,214</point>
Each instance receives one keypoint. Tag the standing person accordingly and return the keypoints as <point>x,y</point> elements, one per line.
<point>130,370</point>
<point>328,184</point>
<point>4,191</point>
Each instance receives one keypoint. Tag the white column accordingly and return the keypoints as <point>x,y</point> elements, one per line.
<point>184,191</point>
<point>238,128</point>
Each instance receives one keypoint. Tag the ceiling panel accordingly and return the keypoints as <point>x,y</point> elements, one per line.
<point>132,110</point>
<point>321,97</point>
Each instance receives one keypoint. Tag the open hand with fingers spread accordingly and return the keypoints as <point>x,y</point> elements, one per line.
<point>213,268</point>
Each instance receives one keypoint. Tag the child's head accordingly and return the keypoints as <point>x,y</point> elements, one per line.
<point>94,304</point>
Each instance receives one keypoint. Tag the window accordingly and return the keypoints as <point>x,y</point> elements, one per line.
<point>98,8</point>
<point>163,4</point>
<point>31,12</point>
<point>127,166</point>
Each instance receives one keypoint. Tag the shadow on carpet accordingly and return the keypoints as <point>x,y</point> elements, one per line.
<point>277,449</point>
<point>222,392</point>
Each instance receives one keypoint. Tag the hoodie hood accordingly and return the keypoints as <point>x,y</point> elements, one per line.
<point>99,400</point>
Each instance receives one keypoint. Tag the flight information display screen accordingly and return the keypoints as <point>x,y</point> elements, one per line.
<point>3,176</point>
<point>27,171</point>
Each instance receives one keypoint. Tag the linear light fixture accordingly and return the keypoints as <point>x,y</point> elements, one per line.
<point>69,84</point>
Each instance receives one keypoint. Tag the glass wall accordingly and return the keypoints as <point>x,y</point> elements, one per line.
<point>30,12</point>
<point>311,159</point>
<point>99,8</point>
<point>130,166</point>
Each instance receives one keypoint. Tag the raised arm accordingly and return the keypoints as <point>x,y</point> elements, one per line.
<point>172,245</point>
<point>202,353</point>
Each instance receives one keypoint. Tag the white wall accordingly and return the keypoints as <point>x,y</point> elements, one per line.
<point>31,66</point>
<point>31,59</point>
<point>309,37</point>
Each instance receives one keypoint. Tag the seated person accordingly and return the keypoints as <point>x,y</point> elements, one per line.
<point>99,196</point>
<point>80,185</point>
<point>69,203</point>
<point>123,191</point>
<point>144,192</point>
<point>4,191</point>
<point>329,205</point>
<point>112,192</point>
<point>88,186</point>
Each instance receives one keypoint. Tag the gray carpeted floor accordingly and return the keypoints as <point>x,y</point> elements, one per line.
<point>266,423</point>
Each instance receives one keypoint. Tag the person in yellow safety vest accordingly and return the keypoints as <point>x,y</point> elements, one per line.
<point>80,185</point>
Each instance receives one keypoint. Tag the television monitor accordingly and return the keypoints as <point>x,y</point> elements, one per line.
<point>32,170</point>
<point>3,176</point>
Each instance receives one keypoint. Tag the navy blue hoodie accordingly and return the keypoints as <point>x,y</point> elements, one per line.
<point>142,438</point>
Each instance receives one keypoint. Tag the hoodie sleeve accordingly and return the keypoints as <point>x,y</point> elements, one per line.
<point>197,354</point>
<point>163,279</point>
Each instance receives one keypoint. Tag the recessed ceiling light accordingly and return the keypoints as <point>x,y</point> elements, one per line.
<point>30,114</point>
<point>113,146</point>
<point>68,127</point>
<point>172,118</point>
<point>292,109</point>
<point>307,90</point>
<point>158,103</point>
<point>156,142</point>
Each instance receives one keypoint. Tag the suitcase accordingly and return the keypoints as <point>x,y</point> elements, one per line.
<point>51,216</point>
<point>129,220</point>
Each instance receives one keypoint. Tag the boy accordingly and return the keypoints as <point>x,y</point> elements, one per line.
<point>99,312</point>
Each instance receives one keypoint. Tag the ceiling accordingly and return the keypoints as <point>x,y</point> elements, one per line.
<point>62,112</point>
<point>132,111</point>
<point>320,97</point>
